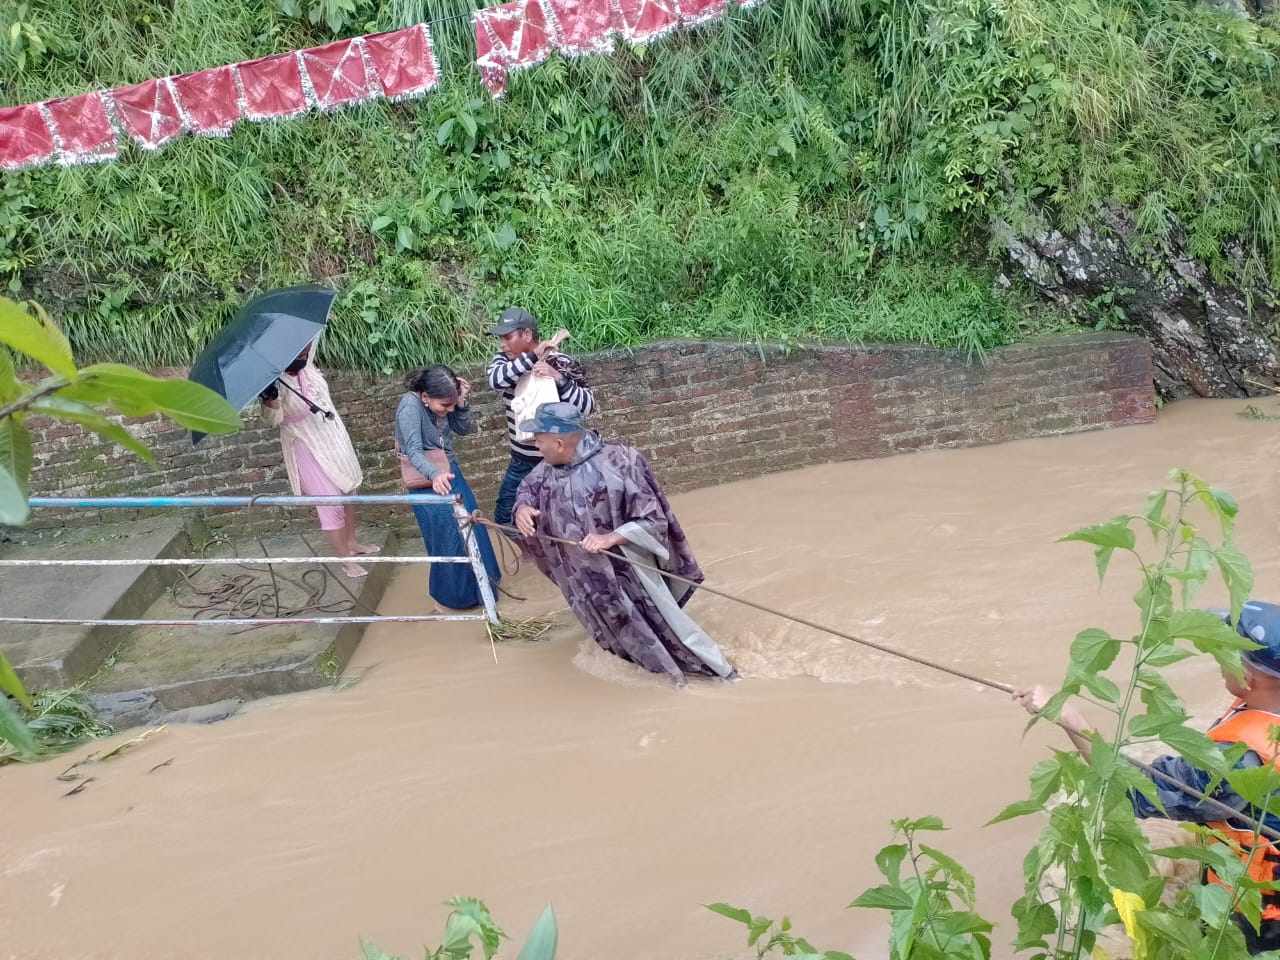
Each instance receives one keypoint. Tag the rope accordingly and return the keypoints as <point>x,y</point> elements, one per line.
<point>1228,813</point>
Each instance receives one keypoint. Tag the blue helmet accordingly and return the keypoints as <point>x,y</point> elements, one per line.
<point>1260,622</point>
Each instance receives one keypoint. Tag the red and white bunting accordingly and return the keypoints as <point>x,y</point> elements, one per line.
<point>82,130</point>
<point>510,36</point>
<point>403,62</point>
<point>397,65</point>
<point>25,140</point>
<point>581,27</point>
<point>337,74</point>
<point>208,101</point>
<point>694,13</point>
<point>271,88</point>
<point>642,21</point>
<point>148,112</point>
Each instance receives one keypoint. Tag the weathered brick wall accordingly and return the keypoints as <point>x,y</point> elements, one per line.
<point>704,412</point>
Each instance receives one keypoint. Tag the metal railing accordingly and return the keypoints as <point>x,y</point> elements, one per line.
<point>461,517</point>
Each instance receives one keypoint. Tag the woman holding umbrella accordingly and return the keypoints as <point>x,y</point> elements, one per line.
<point>318,455</point>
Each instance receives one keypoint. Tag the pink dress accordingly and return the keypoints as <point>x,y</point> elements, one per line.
<point>318,455</point>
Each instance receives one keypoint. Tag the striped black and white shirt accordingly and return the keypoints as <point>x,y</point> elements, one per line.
<point>505,373</point>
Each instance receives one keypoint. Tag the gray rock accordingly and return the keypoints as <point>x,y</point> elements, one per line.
<point>205,713</point>
<point>129,709</point>
<point>1208,339</point>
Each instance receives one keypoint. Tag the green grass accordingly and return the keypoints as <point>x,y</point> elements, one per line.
<point>809,168</point>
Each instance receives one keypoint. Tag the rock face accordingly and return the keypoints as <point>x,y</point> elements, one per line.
<point>1207,339</point>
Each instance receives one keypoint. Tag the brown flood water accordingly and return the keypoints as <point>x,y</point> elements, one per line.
<point>561,775</point>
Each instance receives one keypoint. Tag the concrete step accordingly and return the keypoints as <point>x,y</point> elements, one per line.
<point>159,670</point>
<point>47,657</point>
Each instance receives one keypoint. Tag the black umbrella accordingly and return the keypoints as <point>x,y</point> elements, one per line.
<point>254,349</point>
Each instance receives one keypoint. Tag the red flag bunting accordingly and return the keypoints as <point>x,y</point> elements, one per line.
<point>272,87</point>
<point>25,140</point>
<point>148,112</point>
<point>82,131</point>
<point>402,61</point>
<point>696,12</point>
<point>208,101</point>
<point>582,26</point>
<point>337,74</point>
<point>510,36</point>
<point>645,20</point>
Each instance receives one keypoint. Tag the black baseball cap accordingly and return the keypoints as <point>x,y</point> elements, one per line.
<point>513,319</point>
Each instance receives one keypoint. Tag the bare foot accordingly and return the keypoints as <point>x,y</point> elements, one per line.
<point>354,571</point>
<point>367,550</point>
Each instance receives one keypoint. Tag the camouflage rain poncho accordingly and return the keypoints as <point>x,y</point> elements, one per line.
<point>632,613</point>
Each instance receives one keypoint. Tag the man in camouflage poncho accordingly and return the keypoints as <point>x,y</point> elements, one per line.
<point>603,496</point>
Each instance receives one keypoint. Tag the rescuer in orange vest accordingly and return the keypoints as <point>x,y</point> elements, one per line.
<point>1251,720</point>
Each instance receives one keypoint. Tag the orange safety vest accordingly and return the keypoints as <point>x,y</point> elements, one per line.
<point>1253,729</point>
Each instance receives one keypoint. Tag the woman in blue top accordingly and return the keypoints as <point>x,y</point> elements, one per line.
<point>428,417</point>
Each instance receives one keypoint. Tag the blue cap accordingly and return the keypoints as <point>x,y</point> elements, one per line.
<point>554,418</point>
<point>1260,622</point>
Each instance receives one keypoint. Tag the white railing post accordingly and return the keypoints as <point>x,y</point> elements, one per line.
<point>467,529</point>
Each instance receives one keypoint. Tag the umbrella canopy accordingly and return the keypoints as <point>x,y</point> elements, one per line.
<point>264,338</point>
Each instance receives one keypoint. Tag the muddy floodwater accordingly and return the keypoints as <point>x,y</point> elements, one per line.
<point>559,775</point>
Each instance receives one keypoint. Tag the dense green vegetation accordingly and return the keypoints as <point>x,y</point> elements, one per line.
<point>807,168</point>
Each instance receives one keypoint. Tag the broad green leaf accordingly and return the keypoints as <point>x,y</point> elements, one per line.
<point>1094,650</point>
<point>1165,656</point>
<point>884,898</point>
<point>541,944</point>
<point>1255,784</point>
<point>14,730</point>
<point>137,394</point>
<point>1020,808</point>
<point>1102,688</point>
<point>757,928</point>
<point>1180,930</point>
<point>1237,572</point>
<point>733,913</point>
<point>1154,511</point>
<point>36,336</point>
<point>1115,534</point>
<point>1196,572</point>
<point>889,861</point>
<point>380,223</point>
<point>1036,921</point>
<point>90,419</point>
<point>1133,779</point>
<point>13,500</point>
<point>1207,632</point>
<point>1226,502</point>
<point>10,389</point>
<point>1150,724</point>
<point>1102,560</point>
<point>1194,746</point>
<point>11,683</point>
<point>953,869</point>
<point>924,823</point>
<point>371,951</point>
<point>15,451</point>
<point>1155,600</point>
<point>1214,903</point>
<point>962,922</point>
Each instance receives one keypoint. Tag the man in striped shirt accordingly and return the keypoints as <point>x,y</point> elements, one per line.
<point>524,354</point>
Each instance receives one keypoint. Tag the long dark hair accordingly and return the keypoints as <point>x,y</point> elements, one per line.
<point>438,382</point>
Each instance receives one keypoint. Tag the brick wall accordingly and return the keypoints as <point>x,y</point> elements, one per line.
<point>704,412</point>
